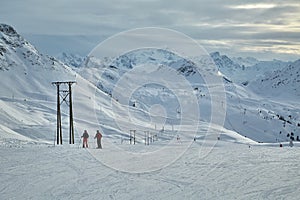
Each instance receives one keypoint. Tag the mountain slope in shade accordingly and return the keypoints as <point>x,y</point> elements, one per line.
<point>283,83</point>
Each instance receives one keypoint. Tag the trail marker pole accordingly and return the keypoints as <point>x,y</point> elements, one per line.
<point>147,137</point>
<point>132,136</point>
<point>79,142</point>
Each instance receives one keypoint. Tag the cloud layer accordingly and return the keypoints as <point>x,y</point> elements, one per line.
<point>268,28</point>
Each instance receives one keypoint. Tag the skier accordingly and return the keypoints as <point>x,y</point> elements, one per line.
<point>98,136</point>
<point>178,139</point>
<point>85,137</point>
<point>291,143</point>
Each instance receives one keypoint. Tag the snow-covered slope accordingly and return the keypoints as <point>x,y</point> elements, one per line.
<point>28,99</point>
<point>284,83</point>
<point>236,69</point>
<point>248,113</point>
<point>263,119</point>
<point>28,105</point>
<point>265,106</point>
<point>246,62</point>
<point>106,73</point>
<point>230,171</point>
<point>71,59</point>
<point>245,70</point>
<point>225,64</point>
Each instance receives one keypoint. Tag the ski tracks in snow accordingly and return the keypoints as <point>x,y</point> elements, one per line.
<point>229,171</point>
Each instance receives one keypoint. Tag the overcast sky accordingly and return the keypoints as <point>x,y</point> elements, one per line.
<point>260,28</point>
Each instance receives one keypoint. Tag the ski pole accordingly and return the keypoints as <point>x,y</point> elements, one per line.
<point>79,142</point>
<point>54,139</point>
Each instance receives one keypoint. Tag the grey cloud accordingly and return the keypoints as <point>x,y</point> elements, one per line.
<point>200,19</point>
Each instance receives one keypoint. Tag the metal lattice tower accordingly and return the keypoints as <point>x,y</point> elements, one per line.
<point>64,94</point>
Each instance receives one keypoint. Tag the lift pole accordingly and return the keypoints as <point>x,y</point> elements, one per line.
<point>64,94</point>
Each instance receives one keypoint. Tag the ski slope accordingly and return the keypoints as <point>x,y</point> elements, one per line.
<point>229,171</point>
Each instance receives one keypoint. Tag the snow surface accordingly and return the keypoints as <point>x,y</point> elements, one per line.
<point>210,162</point>
<point>229,171</point>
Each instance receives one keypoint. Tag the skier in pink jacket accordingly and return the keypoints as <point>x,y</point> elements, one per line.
<point>85,137</point>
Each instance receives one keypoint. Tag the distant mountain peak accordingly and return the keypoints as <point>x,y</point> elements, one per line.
<point>8,30</point>
<point>72,59</point>
<point>215,54</point>
<point>17,52</point>
<point>246,62</point>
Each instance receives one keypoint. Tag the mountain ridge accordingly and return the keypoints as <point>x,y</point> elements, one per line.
<point>26,91</point>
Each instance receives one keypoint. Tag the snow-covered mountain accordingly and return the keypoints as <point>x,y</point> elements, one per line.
<point>237,69</point>
<point>225,63</point>
<point>245,70</point>
<point>283,83</point>
<point>248,112</point>
<point>27,102</point>
<point>26,91</point>
<point>28,99</point>
<point>71,59</point>
<point>246,62</point>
